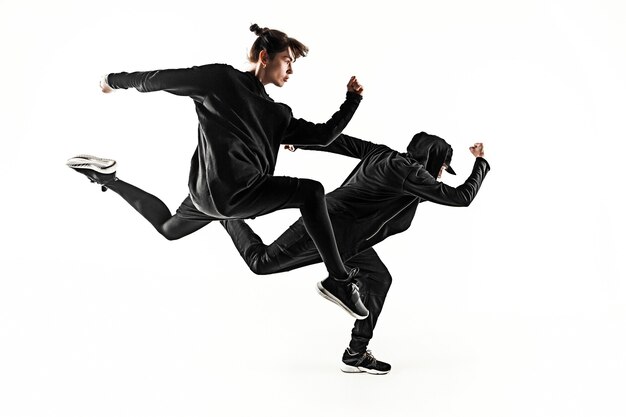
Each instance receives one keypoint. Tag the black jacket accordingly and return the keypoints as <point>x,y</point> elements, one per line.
<point>379,197</point>
<point>239,133</point>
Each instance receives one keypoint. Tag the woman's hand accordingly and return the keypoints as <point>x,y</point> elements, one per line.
<point>104,86</point>
<point>354,86</point>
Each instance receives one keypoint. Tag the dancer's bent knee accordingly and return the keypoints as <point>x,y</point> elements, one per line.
<point>313,191</point>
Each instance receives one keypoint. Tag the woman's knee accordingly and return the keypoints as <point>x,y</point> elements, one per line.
<point>168,233</point>
<point>172,230</point>
<point>314,190</point>
<point>175,227</point>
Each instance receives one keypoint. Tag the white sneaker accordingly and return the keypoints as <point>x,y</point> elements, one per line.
<point>101,165</point>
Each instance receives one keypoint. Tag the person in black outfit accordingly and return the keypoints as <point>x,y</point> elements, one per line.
<point>239,134</point>
<point>377,200</point>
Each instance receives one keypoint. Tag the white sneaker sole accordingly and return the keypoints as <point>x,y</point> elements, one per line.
<point>322,291</point>
<point>359,370</point>
<point>101,165</point>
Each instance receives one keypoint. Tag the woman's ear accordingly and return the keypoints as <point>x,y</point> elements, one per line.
<point>263,58</point>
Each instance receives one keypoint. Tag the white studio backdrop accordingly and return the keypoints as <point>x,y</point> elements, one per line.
<point>511,307</point>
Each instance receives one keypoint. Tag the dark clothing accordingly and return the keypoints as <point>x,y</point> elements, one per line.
<point>373,281</point>
<point>380,196</point>
<point>239,134</point>
<point>377,200</point>
<point>295,249</point>
<point>281,191</point>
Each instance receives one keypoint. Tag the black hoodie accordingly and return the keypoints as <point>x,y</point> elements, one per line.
<point>240,130</point>
<point>379,197</point>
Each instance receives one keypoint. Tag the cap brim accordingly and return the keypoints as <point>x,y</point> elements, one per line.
<point>450,171</point>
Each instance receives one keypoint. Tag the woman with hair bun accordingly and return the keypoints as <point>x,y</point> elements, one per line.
<point>240,131</point>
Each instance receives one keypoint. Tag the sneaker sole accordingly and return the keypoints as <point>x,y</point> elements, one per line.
<point>322,291</point>
<point>101,165</point>
<point>348,369</point>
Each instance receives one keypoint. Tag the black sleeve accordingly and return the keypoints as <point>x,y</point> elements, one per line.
<point>421,184</point>
<point>183,82</point>
<point>347,146</point>
<point>301,132</point>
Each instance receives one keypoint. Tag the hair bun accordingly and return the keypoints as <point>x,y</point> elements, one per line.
<point>257,30</point>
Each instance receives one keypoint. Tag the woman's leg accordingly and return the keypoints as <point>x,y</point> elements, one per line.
<point>293,249</point>
<point>172,227</point>
<point>186,220</point>
<point>308,196</point>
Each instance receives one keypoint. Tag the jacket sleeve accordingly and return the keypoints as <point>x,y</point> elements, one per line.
<point>345,145</point>
<point>301,132</point>
<point>183,82</point>
<point>423,185</point>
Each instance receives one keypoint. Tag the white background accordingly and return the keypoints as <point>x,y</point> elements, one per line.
<point>514,306</point>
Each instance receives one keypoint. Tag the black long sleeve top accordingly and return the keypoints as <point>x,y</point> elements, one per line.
<point>380,196</point>
<point>240,130</point>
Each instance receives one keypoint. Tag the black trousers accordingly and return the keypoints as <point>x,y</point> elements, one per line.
<point>275,193</point>
<point>295,249</point>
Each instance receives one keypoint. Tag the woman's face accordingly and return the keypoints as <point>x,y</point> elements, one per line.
<point>279,68</point>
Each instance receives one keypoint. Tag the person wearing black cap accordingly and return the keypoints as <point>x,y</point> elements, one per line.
<point>377,200</point>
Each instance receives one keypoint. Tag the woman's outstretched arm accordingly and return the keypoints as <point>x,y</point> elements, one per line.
<point>183,82</point>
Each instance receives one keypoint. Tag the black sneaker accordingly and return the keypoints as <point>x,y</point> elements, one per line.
<point>353,363</point>
<point>345,294</point>
<point>98,170</point>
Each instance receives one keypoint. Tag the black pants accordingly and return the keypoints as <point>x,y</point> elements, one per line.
<point>295,249</point>
<point>275,193</point>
